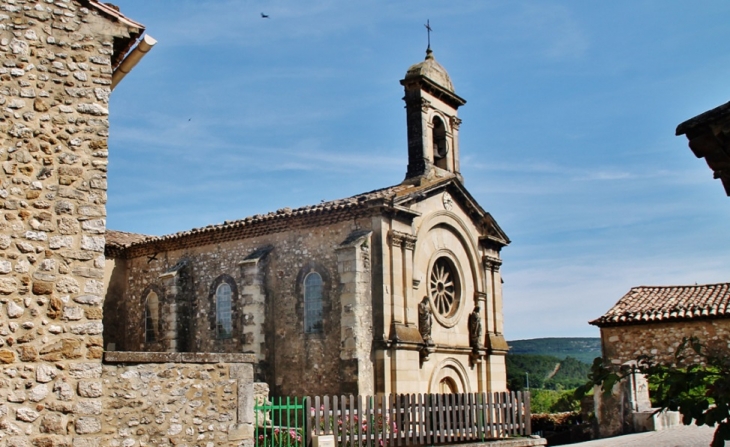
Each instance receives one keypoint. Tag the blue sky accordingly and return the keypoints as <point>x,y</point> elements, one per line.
<point>567,136</point>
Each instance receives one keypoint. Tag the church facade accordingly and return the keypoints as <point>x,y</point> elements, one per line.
<point>396,290</point>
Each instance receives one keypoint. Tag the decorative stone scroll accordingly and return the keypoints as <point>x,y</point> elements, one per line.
<point>491,263</point>
<point>400,239</point>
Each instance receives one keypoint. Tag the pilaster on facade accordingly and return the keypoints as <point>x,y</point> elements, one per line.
<point>404,244</point>
<point>356,335</point>
<point>493,288</point>
<point>253,300</point>
<point>171,281</point>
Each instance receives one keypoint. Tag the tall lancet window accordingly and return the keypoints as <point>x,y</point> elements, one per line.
<point>151,317</point>
<point>223,320</point>
<point>313,304</point>
<point>440,145</point>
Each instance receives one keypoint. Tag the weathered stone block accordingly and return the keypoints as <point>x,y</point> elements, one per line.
<point>25,414</point>
<point>45,373</point>
<point>90,388</point>
<point>14,310</point>
<point>42,288</point>
<point>7,356</point>
<point>87,425</point>
<point>28,353</point>
<point>38,393</point>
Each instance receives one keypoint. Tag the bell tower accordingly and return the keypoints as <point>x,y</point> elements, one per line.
<point>433,124</point>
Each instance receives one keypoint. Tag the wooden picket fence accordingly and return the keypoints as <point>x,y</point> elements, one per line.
<point>418,419</point>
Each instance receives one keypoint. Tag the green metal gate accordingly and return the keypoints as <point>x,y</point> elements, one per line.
<point>280,422</point>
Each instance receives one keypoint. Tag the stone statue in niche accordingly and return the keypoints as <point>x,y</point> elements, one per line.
<point>475,329</point>
<point>425,320</point>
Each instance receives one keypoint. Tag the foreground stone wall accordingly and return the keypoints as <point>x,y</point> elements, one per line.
<point>200,399</point>
<point>54,89</point>
<point>660,340</point>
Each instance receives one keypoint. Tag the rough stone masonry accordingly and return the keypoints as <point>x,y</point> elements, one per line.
<point>56,66</point>
<point>55,77</point>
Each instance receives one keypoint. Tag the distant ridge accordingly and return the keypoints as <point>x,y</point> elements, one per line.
<point>584,349</point>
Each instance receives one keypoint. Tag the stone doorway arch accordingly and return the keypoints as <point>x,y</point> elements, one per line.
<point>449,377</point>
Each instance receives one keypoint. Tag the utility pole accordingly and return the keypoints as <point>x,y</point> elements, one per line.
<point>527,379</point>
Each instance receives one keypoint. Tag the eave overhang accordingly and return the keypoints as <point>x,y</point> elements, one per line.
<point>709,138</point>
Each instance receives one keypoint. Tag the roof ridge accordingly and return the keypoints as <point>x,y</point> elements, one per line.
<point>668,303</point>
<point>285,212</point>
<point>681,286</point>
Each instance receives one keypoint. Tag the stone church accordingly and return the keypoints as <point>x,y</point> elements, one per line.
<point>395,290</point>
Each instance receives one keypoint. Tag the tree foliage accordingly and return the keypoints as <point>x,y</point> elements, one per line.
<point>552,401</point>
<point>697,385</point>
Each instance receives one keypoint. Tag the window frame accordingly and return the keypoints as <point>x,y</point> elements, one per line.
<point>151,325</point>
<point>222,317</point>
<point>316,326</point>
<point>214,306</point>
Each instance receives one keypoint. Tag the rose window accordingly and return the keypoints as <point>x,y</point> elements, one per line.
<point>444,287</point>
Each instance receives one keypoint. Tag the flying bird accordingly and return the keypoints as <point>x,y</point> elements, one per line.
<point>264,16</point>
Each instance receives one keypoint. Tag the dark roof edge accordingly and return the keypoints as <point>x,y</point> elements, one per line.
<point>705,118</point>
<point>601,324</point>
<point>114,14</point>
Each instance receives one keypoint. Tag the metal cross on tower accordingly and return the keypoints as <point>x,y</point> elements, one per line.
<point>428,28</point>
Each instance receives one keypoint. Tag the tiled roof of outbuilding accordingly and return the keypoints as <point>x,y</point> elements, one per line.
<point>121,239</point>
<point>647,304</point>
<point>393,198</point>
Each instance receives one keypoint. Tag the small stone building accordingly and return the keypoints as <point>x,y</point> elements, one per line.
<point>396,290</point>
<point>653,321</point>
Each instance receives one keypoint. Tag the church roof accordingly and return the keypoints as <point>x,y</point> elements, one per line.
<point>120,239</point>
<point>647,304</point>
<point>432,70</point>
<point>393,199</point>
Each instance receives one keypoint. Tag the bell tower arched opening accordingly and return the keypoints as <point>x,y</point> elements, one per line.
<point>439,144</point>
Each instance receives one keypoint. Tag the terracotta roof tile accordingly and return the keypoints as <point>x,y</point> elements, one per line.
<point>668,303</point>
<point>360,205</point>
<point>121,239</point>
<point>255,225</point>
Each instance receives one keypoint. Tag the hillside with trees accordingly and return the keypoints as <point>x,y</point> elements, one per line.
<point>584,349</point>
<point>545,371</point>
<point>555,367</point>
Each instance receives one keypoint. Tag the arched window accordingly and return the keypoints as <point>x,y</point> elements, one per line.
<point>313,304</point>
<point>440,145</point>
<point>223,320</point>
<point>151,317</point>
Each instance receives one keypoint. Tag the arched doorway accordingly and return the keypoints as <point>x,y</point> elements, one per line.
<point>447,385</point>
<point>449,377</point>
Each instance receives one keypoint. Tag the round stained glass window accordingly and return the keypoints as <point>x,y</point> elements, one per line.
<point>444,287</point>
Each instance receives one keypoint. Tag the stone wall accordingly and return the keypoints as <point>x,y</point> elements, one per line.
<point>266,274</point>
<point>54,89</point>
<point>168,399</point>
<point>660,340</point>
